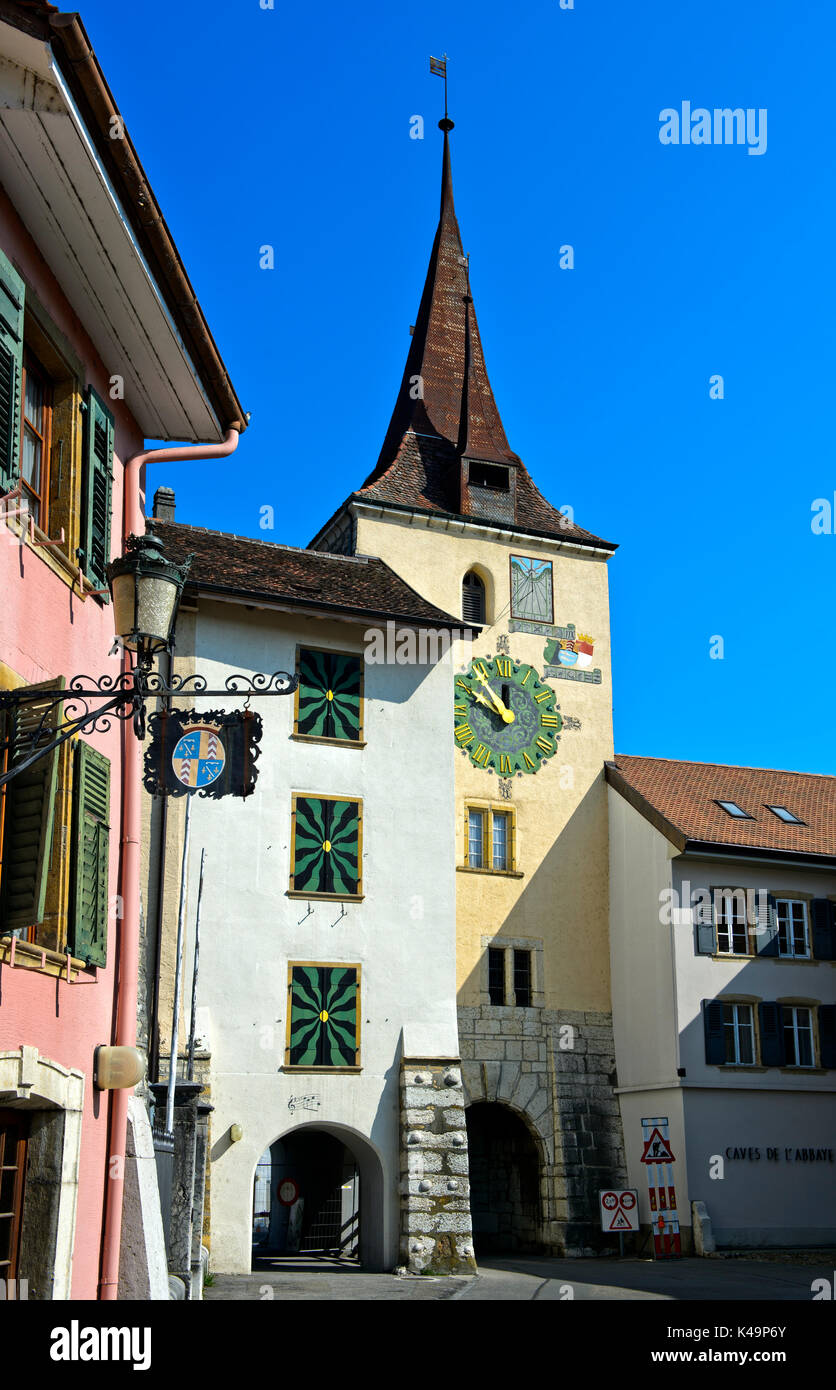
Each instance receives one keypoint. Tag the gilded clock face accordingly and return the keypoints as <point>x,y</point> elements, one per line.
<point>505,716</point>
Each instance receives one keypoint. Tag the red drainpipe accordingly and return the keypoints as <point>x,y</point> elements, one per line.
<point>133,521</point>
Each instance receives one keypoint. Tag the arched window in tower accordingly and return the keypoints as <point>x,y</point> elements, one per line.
<point>473,598</point>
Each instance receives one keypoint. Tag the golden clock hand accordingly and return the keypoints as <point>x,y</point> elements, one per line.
<point>507,715</point>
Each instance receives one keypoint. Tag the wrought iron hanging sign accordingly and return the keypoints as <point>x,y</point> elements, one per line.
<point>207,753</point>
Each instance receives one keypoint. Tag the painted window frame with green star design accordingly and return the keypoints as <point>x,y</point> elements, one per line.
<point>326,847</point>
<point>323,1016</point>
<point>328,703</point>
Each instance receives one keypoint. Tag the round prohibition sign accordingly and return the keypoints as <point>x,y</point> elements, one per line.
<point>287,1192</point>
<point>610,1201</point>
<point>628,1200</point>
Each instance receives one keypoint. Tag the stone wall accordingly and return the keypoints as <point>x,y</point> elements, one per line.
<point>436,1235</point>
<point>556,1069</point>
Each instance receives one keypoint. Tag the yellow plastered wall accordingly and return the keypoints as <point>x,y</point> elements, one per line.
<point>561,811</point>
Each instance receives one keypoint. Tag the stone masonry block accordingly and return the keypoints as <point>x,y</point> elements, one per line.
<point>420,1117</point>
<point>509,1076</point>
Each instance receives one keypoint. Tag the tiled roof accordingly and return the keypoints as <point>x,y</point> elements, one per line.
<point>445,409</point>
<point>680,798</point>
<point>425,476</point>
<point>224,563</point>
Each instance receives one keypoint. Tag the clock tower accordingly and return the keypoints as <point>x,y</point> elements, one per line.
<point>456,513</point>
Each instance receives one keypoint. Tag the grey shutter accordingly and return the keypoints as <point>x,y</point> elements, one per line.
<point>97,488</point>
<point>824,928</point>
<point>30,807</point>
<point>704,934</point>
<point>715,1039</point>
<point>11,371</point>
<point>772,1035</point>
<point>767,925</point>
<point>91,838</point>
<point>827,1035</point>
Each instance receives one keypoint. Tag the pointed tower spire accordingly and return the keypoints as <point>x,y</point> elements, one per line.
<point>445,391</point>
<point>445,451</point>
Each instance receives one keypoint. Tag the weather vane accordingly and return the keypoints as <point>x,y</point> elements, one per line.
<point>439,67</point>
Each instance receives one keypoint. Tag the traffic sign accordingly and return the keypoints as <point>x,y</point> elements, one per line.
<point>287,1192</point>
<point>619,1209</point>
<point>657,1149</point>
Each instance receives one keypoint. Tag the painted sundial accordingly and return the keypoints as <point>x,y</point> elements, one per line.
<point>199,756</point>
<point>505,717</point>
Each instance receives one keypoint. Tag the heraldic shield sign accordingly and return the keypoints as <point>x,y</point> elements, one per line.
<point>211,754</point>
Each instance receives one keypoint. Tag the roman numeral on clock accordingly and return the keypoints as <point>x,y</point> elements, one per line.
<point>460,709</point>
<point>464,734</point>
<point>503,668</point>
<point>544,695</point>
<point>545,745</point>
<point>481,754</point>
<point>504,763</point>
<point>549,720</point>
<point>477,666</point>
<point>529,763</point>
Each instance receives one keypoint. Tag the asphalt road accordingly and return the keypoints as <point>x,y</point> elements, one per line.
<point>528,1278</point>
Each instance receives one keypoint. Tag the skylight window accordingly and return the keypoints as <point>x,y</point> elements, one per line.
<point>783,814</point>
<point>732,809</point>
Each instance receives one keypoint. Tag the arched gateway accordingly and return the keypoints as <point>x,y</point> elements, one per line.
<point>504,1180</point>
<point>318,1191</point>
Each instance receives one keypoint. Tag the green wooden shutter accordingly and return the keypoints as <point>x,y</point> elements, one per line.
<point>91,846</point>
<point>327,847</point>
<point>97,486</point>
<point>30,807</point>
<point>323,1016</point>
<point>11,371</point>
<point>329,695</point>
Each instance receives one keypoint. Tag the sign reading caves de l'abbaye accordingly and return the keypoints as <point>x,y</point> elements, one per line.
<point>211,754</point>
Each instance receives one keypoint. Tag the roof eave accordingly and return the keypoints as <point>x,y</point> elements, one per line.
<point>286,603</point>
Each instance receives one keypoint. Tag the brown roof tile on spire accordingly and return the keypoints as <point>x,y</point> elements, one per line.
<point>445,360</point>
<point>445,412</point>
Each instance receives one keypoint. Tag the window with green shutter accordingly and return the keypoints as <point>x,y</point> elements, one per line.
<point>96,490</point>
<point>326,847</point>
<point>28,811</point>
<point>91,837</point>
<point>329,697</point>
<point>11,371</point>
<point>323,1015</point>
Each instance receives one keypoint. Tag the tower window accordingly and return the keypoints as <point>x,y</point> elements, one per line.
<point>489,475</point>
<point>473,598</point>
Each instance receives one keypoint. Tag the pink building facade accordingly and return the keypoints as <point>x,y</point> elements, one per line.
<point>97,352</point>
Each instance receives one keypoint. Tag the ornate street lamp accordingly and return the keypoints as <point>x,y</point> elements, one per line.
<point>146,589</point>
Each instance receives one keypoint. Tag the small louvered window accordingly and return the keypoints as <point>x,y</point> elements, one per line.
<point>473,599</point>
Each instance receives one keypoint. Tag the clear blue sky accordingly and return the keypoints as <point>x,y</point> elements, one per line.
<point>291,127</point>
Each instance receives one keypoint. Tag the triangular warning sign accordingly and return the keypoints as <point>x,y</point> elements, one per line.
<point>620,1222</point>
<point>657,1149</point>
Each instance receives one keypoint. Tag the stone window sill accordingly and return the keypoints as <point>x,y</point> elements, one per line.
<point>319,1071</point>
<point>494,873</point>
<point>326,897</point>
<point>38,958</point>
<point>332,742</point>
<point>55,558</point>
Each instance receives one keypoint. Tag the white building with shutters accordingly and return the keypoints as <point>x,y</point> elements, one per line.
<point>326,995</point>
<point>723,899</point>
